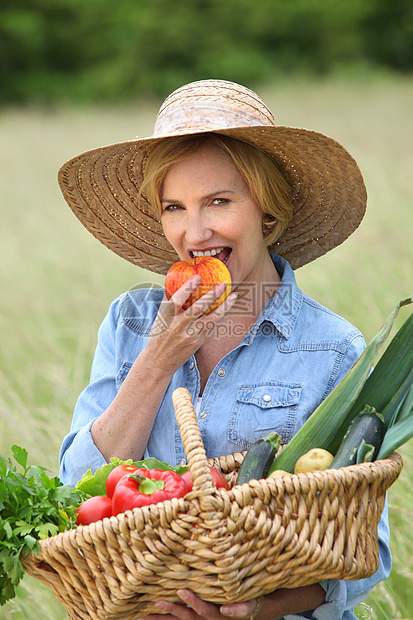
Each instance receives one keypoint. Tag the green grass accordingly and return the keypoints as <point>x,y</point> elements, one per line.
<point>57,281</point>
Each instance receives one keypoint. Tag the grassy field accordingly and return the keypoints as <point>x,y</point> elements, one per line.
<point>57,281</point>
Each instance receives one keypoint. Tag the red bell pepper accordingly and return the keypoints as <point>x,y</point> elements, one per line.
<point>146,486</point>
<point>217,478</point>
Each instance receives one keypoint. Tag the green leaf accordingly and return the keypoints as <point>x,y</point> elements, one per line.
<point>396,436</point>
<point>38,473</point>
<point>16,572</point>
<point>3,466</point>
<point>153,463</point>
<point>7,591</point>
<point>365,452</point>
<point>147,485</point>
<point>32,506</point>
<point>12,566</point>
<point>31,543</point>
<point>46,529</point>
<point>22,528</point>
<point>115,461</point>
<point>406,407</point>
<point>20,456</point>
<point>95,484</point>
<point>8,529</point>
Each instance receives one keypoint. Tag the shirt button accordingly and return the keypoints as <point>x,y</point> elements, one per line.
<point>183,462</point>
<point>221,372</point>
<point>203,414</point>
<point>266,398</point>
<point>191,365</point>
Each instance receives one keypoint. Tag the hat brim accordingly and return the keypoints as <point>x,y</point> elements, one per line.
<point>328,194</point>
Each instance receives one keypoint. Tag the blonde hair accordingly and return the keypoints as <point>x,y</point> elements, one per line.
<point>267,185</point>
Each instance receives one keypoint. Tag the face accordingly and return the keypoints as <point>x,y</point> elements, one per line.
<point>207,209</point>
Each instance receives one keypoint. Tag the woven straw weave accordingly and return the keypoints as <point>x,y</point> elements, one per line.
<point>224,545</point>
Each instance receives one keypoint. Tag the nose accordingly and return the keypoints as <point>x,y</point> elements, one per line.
<point>198,230</point>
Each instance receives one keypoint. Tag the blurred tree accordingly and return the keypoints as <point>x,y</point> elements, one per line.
<point>388,29</point>
<point>52,50</point>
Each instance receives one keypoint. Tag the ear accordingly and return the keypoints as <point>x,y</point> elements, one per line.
<point>269,222</point>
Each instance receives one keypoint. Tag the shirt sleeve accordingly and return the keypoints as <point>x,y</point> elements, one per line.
<point>345,360</point>
<point>78,452</point>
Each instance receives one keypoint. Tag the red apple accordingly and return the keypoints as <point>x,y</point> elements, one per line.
<point>212,271</point>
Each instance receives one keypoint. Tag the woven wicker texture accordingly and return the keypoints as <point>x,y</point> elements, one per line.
<point>224,545</point>
<point>327,189</point>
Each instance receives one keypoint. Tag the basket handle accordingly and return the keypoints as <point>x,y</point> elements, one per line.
<point>193,444</point>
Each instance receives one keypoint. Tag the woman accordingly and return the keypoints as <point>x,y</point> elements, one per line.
<point>218,178</point>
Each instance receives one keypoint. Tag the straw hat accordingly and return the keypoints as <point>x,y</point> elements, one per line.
<point>327,189</point>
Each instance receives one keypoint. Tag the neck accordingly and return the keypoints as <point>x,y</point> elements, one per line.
<point>255,292</point>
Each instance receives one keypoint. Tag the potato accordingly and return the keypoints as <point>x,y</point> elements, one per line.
<point>316,459</point>
<point>278,473</point>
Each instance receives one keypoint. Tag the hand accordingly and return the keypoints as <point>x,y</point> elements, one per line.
<point>194,608</point>
<point>176,333</point>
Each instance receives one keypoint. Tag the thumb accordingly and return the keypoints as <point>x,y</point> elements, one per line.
<point>249,609</point>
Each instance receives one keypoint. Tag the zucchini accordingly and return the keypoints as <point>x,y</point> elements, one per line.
<point>259,458</point>
<point>367,429</point>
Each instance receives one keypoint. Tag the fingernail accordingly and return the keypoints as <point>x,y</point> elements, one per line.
<point>227,610</point>
<point>160,605</point>
<point>183,594</point>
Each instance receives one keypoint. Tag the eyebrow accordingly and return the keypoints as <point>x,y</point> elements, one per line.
<point>206,197</point>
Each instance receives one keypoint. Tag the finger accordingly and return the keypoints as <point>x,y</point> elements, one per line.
<point>174,610</point>
<point>226,305</point>
<point>201,305</point>
<point>185,291</point>
<point>240,610</point>
<point>220,311</point>
<point>201,607</point>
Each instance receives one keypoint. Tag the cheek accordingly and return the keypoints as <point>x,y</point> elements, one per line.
<point>168,228</point>
<point>173,233</point>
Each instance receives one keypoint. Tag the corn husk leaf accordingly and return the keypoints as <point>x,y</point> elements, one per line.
<point>396,436</point>
<point>398,405</point>
<point>406,407</point>
<point>401,428</point>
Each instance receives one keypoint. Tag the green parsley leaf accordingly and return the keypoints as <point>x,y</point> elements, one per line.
<point>32,506</point>
<point>20,456</point>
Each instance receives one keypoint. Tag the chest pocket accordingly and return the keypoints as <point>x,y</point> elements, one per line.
<point>261,408</point>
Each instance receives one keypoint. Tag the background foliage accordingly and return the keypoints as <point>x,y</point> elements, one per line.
<point>100,50</point>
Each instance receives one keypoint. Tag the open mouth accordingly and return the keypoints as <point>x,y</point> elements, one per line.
<point>221,253</point>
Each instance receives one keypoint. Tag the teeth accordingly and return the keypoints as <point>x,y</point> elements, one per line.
<point>207,252</point>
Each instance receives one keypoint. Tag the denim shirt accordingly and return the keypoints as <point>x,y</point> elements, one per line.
<point>294,355</point>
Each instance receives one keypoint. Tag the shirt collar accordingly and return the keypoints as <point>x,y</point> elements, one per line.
<point>282,309</point>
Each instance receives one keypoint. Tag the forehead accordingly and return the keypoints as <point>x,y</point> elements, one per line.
<point>208,162</point>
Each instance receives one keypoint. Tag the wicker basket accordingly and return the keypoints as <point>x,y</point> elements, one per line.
<point>224,545</point>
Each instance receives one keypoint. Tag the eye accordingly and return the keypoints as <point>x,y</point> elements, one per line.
<point>171,208</point>
<point>219,201</point>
